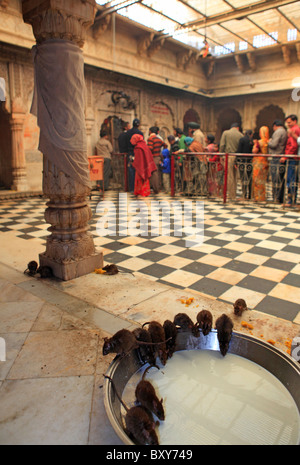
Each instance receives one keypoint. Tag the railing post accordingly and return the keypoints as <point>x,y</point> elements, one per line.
<point>172,176</point>
<point>125,172</point>
<point>225,179</point>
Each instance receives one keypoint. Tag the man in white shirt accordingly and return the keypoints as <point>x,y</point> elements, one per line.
<point>105,149</point>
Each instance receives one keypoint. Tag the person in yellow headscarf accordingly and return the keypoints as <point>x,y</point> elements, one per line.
<point>260,165</point>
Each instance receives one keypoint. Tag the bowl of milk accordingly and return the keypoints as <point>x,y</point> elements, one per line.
<point>249,397</point>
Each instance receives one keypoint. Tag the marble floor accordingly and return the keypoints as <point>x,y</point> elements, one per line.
<point>52,372</point>
<point>246,251</point>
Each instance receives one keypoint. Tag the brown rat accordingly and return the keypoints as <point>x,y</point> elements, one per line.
<point>239,307</point>
<point>31,269</point>
<point>170,332</point>
<point>146,352</point>
<point>139,422</point>
<point>146,396</point>
<point>185,323</point>
<point>158,337</point>
<point>113,269</point>
<point>45,272</point>
<point>123,342</point>
<point>224,328</point>
<point>205,321</point>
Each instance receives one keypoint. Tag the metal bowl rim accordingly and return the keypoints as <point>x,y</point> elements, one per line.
<point>236,334</point>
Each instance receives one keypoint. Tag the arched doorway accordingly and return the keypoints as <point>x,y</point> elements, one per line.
<point>161,114</point>
<point>191,116</point>
<point>113,126</point>
<point>226,119</point>
<point>268,115</point>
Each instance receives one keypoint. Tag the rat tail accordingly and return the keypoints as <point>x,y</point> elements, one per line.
<point>117,394</point>
<point>147,369</point>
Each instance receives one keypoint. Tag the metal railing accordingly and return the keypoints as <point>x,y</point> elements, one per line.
<point>250,177</point>
<point>254,177</point>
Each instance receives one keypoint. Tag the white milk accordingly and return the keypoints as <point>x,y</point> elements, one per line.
<point>210,399</point>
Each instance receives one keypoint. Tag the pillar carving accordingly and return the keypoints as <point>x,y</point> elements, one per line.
<point>17,119</point>
<point>70,250</point>
<point>56,19</point>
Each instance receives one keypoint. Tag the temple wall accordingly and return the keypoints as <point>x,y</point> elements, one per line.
<point>165,82</point>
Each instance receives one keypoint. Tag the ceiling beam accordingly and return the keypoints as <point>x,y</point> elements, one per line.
<point>288,19</point>
<point>263,30</point>
<point>238,13</point>
<point>237,35</point>
<point>119,6</point>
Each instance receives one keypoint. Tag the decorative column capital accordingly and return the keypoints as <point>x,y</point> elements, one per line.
<point>57,19</point>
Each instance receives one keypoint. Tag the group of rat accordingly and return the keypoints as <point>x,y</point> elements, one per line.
<point>160,341</point>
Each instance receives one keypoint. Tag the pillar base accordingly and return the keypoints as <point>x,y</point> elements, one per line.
<point>75,269</point>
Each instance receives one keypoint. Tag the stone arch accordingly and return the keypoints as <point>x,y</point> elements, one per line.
<point>267,115</point>
<point>161,115</point>
<point>191,116</point>
<point>226,118</point>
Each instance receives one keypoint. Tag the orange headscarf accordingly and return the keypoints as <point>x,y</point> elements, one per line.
<point>136,138</point>
<point>264,139</point>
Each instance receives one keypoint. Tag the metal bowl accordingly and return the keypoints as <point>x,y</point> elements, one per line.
<point>281,365</point>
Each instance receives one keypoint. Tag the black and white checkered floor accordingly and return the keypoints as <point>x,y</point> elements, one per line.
<point>248,251</point>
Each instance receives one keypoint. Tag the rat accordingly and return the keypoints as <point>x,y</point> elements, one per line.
<point>45,272</point>
<point>146,352</point>
<point>239,307</point>
<point>205,321</point>
<point>170,332</point>
<point>146,396</point>
<point>113,269</point>
<point>139,422</point>
<point>185,323</point>
<point>158,337</point>
<point>31,269</point>
<point>123,342</point>
<point>224,328</point>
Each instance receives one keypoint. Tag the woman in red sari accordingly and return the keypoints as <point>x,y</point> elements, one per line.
<point>143,164</point>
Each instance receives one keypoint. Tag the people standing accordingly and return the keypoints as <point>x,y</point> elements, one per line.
<point>143,164</point>
<point>276,146</point>
<point>130,151</point>
<point>155,143</point>
<point>215,167</point>
<point>166,170</point>
<point>291,148</point>
<point>105,149</point>
<point>196,133</point>
<point>229,144</point>
<point>199,167</point>
<point>174,144</point>
<point>260,165</point>
<point>245,163</point>
<point>123,139</point>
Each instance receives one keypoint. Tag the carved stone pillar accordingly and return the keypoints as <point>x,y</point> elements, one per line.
<point>70,250</point>
<point>89,124</point>
<point>17,118</point>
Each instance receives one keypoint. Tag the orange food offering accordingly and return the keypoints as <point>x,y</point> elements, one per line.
<point>271,341</point>
<point>247,325</point>
<point>188,301</point>
<point>100,271</point>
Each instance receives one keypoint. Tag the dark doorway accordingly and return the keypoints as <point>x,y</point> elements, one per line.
<point>267,116</point>
<point>191,116</point>
<point>226,119</point>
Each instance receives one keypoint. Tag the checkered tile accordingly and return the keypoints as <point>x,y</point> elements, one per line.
<point>249,251</point>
